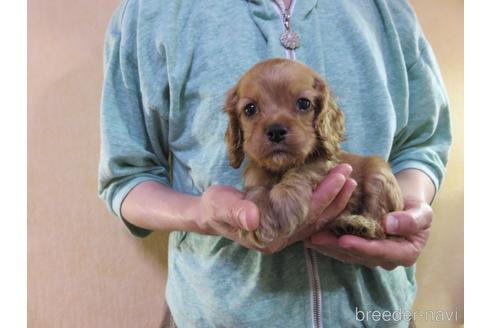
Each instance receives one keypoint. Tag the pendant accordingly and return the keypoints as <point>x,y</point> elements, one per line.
<point>290,39</point>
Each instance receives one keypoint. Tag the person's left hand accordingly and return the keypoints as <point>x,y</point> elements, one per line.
<point>411,226</point>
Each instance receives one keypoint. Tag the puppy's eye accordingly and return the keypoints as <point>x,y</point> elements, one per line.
<point>250,109</point>
<point>303,104</point>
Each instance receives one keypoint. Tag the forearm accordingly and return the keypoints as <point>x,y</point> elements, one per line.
<point>153,206</point>
<point>416,185</point>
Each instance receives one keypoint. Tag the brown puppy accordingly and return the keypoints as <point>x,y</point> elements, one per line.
<point>283,118</point>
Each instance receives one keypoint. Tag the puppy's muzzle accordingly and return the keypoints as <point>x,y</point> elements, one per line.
<point>276,133</point>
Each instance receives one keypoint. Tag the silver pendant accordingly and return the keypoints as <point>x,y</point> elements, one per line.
<point>290,39</point>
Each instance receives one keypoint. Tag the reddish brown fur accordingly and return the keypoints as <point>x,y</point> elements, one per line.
<point>280,177</point>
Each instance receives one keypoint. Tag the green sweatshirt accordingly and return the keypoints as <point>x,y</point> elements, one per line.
<point>168,65</point>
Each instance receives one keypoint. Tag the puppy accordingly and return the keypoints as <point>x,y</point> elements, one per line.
<point>284,120</point>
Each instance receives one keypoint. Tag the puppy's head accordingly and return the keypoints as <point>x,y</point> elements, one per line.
<point>280,115</point>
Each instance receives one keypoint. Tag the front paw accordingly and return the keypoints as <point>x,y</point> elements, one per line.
<point>268,228</point>
<point>290,208</point>
<point>382,194</point>
<point>282,211</point>
<point>357,225</point>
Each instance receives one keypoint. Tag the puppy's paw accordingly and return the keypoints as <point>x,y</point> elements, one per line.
<point>290,208</point>
<point>381,193</point>
<point>358,225</point>
<point>268,228</point>
<point>261,237</point>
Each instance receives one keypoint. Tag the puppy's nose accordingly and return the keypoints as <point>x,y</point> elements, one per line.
<point>276,133</point>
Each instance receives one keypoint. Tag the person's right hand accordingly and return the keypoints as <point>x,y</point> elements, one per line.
<point>225,211</point>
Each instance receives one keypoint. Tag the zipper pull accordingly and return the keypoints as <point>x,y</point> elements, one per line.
<point>289,39</point>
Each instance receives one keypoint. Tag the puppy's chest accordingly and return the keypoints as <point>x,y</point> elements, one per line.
<point>257,177</point>
<point>309,174</point>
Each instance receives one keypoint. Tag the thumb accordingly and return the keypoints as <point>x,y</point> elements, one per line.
<point>228,205</point>
<point>409,221</point>
<point>245,215</point>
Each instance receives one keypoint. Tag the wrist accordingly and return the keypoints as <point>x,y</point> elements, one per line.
<point>416,186</point>
<point>199,216</point>
<point>193,216</point>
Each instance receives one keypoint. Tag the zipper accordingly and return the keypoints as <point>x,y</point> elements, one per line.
<point>310,255</point>
<point>290,53</point>
<point>312,267</point>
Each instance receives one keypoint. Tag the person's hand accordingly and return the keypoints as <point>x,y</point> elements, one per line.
<point>412,226</point>
<point>329,199</point>
<point>224,210</point>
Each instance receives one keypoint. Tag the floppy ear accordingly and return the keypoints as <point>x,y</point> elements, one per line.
<point>234,134</point>
<point>329,121</point>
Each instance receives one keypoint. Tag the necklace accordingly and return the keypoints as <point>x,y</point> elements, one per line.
<point>289,38</point>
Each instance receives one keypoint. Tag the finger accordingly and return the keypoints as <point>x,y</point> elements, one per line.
<point>333,253</point>
<point>339,254</point>
<point>409,221</point>
<point>326,192</point>
<point>339,203</point>
<point>344,169</point>
<point>329,188</point>
<point>393,251</point>
<point>324,238</point>
<point>327,242</point>
<point>317,214</point>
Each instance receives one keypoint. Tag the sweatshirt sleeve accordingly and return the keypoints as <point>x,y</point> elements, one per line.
<point>424,140</point>
<point>130,153</point>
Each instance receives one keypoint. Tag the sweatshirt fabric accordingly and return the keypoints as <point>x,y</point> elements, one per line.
<point>168,66</point>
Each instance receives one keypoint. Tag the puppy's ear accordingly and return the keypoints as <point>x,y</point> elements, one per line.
<point>234,133</point>
<point>329,121</point>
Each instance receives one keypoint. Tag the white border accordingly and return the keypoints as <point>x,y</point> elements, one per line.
<point>13,136</point>
<point>478,167</point>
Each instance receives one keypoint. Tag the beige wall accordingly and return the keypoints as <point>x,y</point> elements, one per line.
<point>440,268</point>
<point>84,270</point>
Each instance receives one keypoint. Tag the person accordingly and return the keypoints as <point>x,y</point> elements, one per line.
<point>163,165</point>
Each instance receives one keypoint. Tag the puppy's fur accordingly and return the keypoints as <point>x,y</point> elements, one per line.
<point>284,120</point>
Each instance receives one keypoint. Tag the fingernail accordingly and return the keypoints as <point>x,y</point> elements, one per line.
<point>340,180</point>
<point>391,224</point>
<point>349,169</point>
<point>242,219</point>
<point>344,169</point>
<point>354,184</point>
